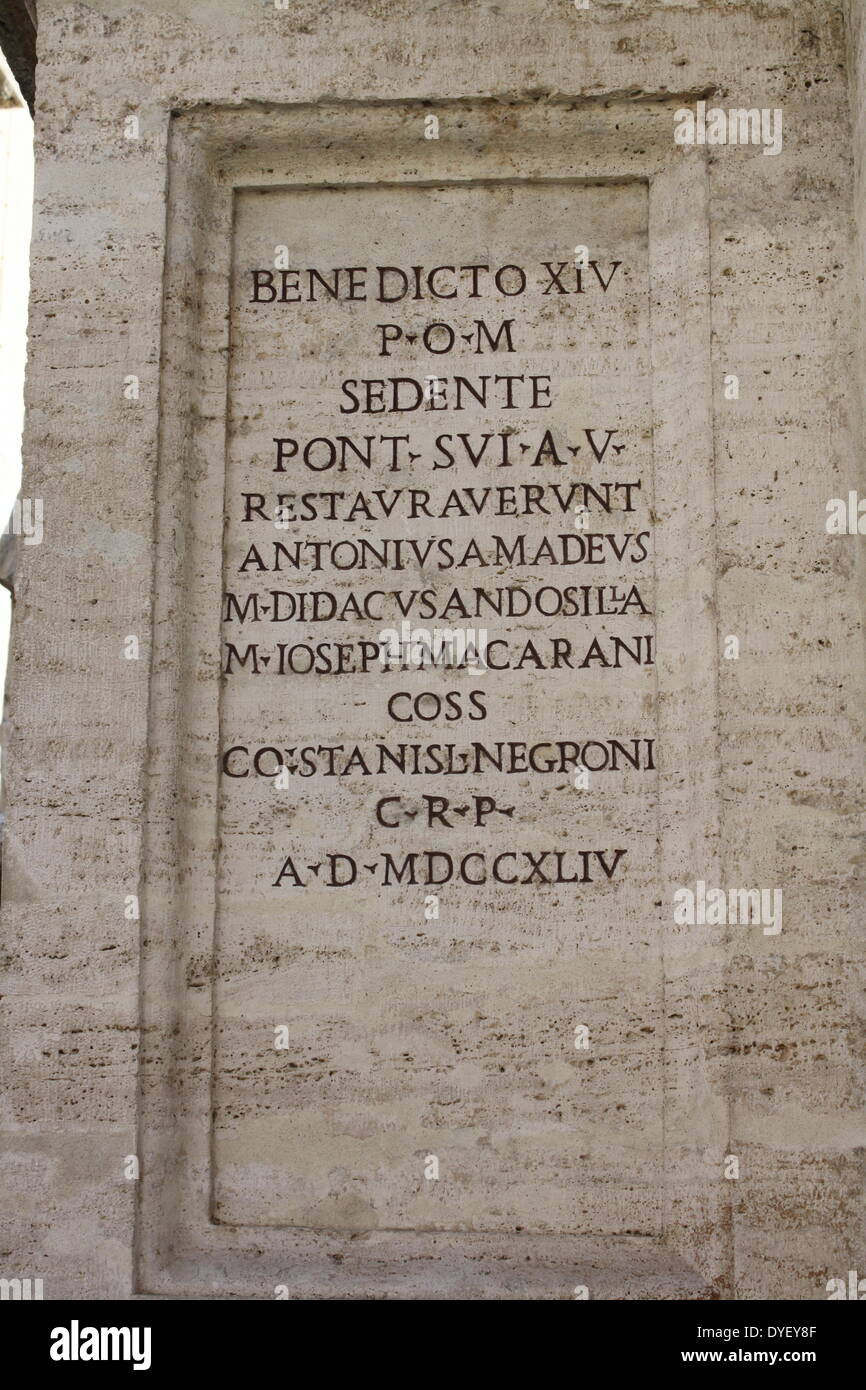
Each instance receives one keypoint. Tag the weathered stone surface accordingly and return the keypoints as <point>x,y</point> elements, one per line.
<point>409,1037</point>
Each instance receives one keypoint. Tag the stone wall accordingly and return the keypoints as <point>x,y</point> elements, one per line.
<point>143,1035</point>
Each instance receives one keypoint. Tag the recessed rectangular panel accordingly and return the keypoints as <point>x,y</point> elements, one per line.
<point>438,985</point>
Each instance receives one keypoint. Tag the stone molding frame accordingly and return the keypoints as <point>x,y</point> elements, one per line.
<point>180,1251</point>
